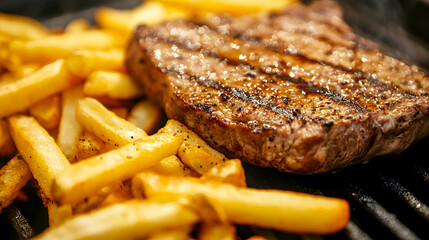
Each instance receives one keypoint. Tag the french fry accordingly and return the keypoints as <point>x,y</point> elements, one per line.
<point>191,138</point>
<point>280,210</point>
<point>83,62</point>
<point>115,85</point>
<point>38,149</point>
<point>172,166</point>
<point>54,47</point>
<point>77,25</point>
<point>95,118</point>
<point>13,176</point>
<point>7,146</point>
<point>129,220</point>
<point>228,172</point>
<point>49,80</point>
<point>217,232</point>
<point>149,13</point>
<point>88,145</point>
<point>58,214</point>
<point>233,7</point>
<point>86,177</point>
<point>47,112</point>
<point>21,27</point>
<point>145,115</point>
<point>69,129</point>
<point>95,200</point>
<point>197,159</point>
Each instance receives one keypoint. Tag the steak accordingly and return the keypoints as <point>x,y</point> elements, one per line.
<point>296,90</point>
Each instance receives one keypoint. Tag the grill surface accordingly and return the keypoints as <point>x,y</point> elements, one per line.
<point>388,195</point>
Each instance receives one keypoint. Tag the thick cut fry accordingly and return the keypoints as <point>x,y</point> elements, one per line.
<point>70,129</point>
<point>47,112</point>
<point>233,7</point>
<point>172,166</point>
<point>129,220</point>
<point>95,118</point>
<point>7,146</point>
<point>88,145</point>
<point>26,91</point>
<point>280,210</point>
<point>38,149</point>
<point>197,159</point>
<point>228,172</point>
<point>88,176</point>
<point>114,85</point>
<point>13,176</point>
<point>145,115</point>
<point>217,232</point>
<point>149,13</point>
<point>77,25</point>
<point>190,137</point>
<point>54,47</point>
<point>83,62</point>
<point>58,214</point>
<point>21,27</point>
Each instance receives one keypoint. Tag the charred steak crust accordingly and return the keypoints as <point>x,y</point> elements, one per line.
<point>294,90</point>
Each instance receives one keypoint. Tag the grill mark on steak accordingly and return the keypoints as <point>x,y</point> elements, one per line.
<point>359,74</point>
<point>333,95</point>
<point>239,93</point>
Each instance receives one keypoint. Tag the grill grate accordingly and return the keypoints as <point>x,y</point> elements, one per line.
<point>388,195</point>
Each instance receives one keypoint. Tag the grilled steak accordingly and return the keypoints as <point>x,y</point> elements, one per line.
<point>296,90</point>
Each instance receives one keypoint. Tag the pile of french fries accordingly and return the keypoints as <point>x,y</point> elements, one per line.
<point>73,120</point>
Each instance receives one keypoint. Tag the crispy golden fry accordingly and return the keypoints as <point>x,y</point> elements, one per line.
<point>88,145</point>
<point>149,13</point>
<point>47,112</point>
<point>280,210</point>
<point>77,25</point>
<point>49,80</point>
<point>190,137</point>
<point>228,172</point>
<point>83,62</point>
<point>145,115</point>
<point>54,47</point>
<point>7,146</point>
<point>172,166</point>
<point>38,149</point>
<point>21,27</point>
<point>197,159</point>
<point>13,176</point>
<point>233,7</point>
<point>58,214</point>
<point>96,200</point>
<point>114,85</point>
<point>70,129</point>
<point>217,232</point>
<point>95,118</point>
<point>129,220</point>
<point>86,177</point>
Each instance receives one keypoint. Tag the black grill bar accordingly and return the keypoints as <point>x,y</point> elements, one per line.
<point>18,221</point>
<point>404,194</point>
<point>354,232</point>
<point>385,217</point>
